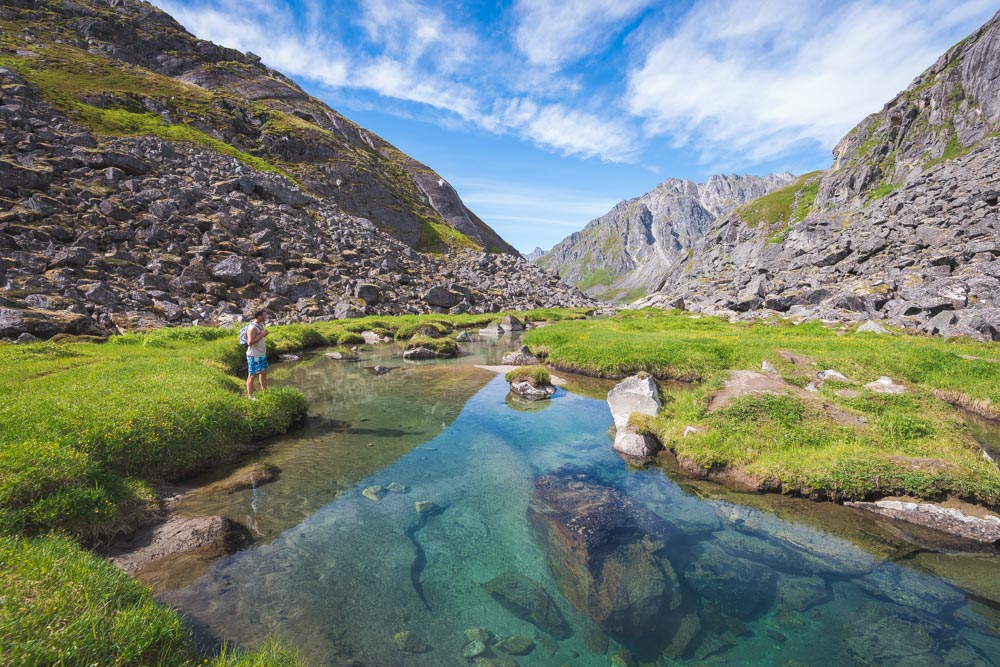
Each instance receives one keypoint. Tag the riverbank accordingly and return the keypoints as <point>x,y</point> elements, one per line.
<point>841,435</point>
<point>90,428</point>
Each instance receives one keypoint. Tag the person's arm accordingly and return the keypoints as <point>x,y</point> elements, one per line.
<point>255,334</point>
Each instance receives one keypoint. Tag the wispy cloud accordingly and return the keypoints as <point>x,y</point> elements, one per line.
<point>553,32</point>
<point>415,51</point>
<point>756,78</point>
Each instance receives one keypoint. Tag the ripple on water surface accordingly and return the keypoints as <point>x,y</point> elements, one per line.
<point>740,579</point>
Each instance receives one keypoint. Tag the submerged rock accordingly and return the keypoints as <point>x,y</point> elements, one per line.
<point>739,587</point>
<point>885,634</point>
<point>526,599</point>
<point>374,492</point>
<point>636,445</point>
<point>516,645</point>
<point>801,593</point>
<point>604,549</point>
<point>408,642</point>
<point>910,588</point>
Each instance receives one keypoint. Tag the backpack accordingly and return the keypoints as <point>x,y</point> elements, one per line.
<point>244,333</point>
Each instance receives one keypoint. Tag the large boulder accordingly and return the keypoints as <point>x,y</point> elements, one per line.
<point>605,550</point>
<point>636,445</point>
<point>441,297</point>
<point>637,393</point>
<point>43,323</point>
<point>236,271</point>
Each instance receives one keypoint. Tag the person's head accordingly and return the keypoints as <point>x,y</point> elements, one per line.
<point>259,315</point>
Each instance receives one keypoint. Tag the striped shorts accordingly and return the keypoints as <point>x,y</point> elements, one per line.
<point>257,365</point>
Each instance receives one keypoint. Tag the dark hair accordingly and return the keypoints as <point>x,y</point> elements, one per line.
<point>258,313</point>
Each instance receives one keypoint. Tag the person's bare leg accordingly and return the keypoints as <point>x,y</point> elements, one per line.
<point>249,386</point>
<point>263,381</point>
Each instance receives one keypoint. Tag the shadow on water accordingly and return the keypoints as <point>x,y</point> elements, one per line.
<point>723,576</point>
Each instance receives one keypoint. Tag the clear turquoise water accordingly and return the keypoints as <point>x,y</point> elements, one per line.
<point>335,574</point>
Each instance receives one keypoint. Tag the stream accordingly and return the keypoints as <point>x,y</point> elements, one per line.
<point>512,532</point>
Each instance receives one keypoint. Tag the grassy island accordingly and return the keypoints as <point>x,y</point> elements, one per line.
<point>788,429</point>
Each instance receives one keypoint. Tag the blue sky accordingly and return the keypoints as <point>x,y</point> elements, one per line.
<point>545,113</point>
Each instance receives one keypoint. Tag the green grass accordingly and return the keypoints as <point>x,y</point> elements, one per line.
<point>62,605</point>
<point>437,237</point>
<point>780,205</point>
<point>85,429</point>
<point>912,444</point>
<point>537,375</point>
<point>596,277</point>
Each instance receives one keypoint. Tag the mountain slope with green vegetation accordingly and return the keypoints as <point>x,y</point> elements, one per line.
<point>902,228</point>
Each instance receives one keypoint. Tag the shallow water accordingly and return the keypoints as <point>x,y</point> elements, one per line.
<point>757,580</point>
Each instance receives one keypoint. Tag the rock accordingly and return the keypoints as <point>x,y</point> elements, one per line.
<point>43,323</point>
<point>236,271</point>
<point>441,297</point>
<point>885,385</point>
<point>872,327</point>
<point>473,648</point>
<point>768,367</point>
<point>884,634</point>
<point>463,337</point>
<point>532,391</point>
<point>479,635</point>
<point>527,600</point>
<point>985,529</point>
<point>374,492</point>
<point>637,393</point>
<point>203,538</point>
<point>830,374</point>
<point>909,588</point>
<point>759,549</point>
<point>396,487</point>
<point>408,642</point>
<point>604,549</point>
<point>636,445</point>
<point>495,330</point>
<point>371,338</point>
<point>511,323</point>
<point>27,338</point>
<point>801,593</point>
<point>515,645</point>
<point>288,356</point>
<point>522,357</point>
<point>427,507</point>
<point>419,353</point>
<point>368,293</point>
<point>739,587</point>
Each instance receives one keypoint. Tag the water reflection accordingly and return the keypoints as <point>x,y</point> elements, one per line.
<point>449,566</point>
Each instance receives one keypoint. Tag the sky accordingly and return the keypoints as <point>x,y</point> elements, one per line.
<point>543,114</point>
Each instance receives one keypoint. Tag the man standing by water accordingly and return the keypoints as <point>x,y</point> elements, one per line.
<point>256,353</point>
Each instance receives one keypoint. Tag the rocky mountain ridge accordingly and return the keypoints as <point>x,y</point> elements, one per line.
<point>904,227</point>
<point>625,252</point>
<point>148,177</point>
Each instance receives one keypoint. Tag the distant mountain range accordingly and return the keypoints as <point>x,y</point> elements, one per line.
<point>149,177</point>
<point>624,253</point>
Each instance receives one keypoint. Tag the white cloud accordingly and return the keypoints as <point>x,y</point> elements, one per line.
<point>757,78</point>
<point>570,131</point>
<point>554,32</point>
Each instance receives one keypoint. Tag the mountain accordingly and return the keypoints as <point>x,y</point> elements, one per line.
<point>534,254</point>
<point>904,226</point>
<point>624,253</point>
<point>149,177</point>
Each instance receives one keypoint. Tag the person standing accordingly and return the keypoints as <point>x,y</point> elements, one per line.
<point>256,353</point>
